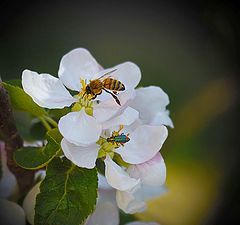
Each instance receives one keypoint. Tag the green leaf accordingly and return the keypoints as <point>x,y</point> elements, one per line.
<point>22,101</point>
<point>37,131</point>
<point>38,157</point>
<point>15,82</point>
<point>67,194</point>
<point>58,113</point>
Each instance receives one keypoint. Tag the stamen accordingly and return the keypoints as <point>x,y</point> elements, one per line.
<point>83,101</point>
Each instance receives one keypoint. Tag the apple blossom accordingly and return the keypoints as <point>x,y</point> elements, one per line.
<point>82,126</point>
<point>8,183</point>
<point>85,156</point>
<point>145,142</point>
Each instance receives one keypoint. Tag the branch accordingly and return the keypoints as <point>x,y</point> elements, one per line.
<point>13,141</point>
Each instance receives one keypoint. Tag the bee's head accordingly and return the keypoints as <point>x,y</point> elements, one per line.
<point>88,90</point>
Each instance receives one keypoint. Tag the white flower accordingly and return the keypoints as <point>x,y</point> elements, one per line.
<point>85,156</point>
<point>141,147</point>
<point>30,201</point>
<point>11,213</point>
<point>107,212</point>
<point>81,127</point>
<point>8,183</point>
<point>149,178</point>
<point>151,104</point>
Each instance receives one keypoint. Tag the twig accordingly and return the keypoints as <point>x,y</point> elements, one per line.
<point>13,141</point>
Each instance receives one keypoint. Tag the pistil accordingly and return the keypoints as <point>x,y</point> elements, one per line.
<point>83,101</point>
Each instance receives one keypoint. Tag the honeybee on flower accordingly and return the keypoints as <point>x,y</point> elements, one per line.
<point>95,87</point>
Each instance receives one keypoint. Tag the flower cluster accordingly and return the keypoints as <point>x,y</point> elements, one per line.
<point>110,120</point>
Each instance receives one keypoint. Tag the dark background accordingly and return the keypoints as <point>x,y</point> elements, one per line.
<point>189,49</point>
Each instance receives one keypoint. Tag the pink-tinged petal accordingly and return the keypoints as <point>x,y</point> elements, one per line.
<point>144,144</point>
<point>106,213</point>
<point>128,203</point>
<point>150,101</point>
<point>46,91</point>
<point>152,175</point>
<point>117,177</point>
<point>11,213</point>
<point>128,117</point>
<point>8,182</point>
<point>29,203</point>
<point>107,108</point>
<point>80,128</point>
<point>81,156</point>
<point>76,65</point>
<point>162,118</point>
<point>152,172</point>
<point>142,223</point>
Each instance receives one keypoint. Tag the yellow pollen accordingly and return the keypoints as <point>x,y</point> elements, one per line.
<point>83,101</point>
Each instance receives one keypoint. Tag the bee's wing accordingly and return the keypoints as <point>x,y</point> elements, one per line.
<point>107,73</point>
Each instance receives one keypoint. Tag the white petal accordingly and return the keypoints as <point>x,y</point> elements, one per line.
<point>8,182</point>
<point>29,203</point>
<point>81,156</point>
<point>11,213</point>
<point>152,172</point>
<point>152,175</point>
<point>128,73</point>
<point>76,65</point>
<point>129,116</point>
<point>162,118</point>
<point>39,175</point>
<point>142,223</point>
<point>149,101</point>
<point>80,128</point>
<point>47,91</point>
<point>102,182</point>
<point>106,109</point>
<point>117,177</point>
<point>144,143</point>
<point>128,203</point>
<point>106,213</point>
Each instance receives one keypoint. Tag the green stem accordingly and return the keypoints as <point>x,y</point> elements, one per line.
<point>45,123</point>
<point>51,121</point>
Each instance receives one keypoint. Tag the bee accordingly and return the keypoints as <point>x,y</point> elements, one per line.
<point>118,138</point>
<point>95,87</point>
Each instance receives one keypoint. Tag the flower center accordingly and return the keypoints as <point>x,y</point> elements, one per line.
<point>83,101</point>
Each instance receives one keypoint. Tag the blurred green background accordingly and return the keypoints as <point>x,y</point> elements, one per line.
<point>189,49</point>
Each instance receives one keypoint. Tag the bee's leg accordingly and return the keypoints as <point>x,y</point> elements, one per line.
<point>127,134</point>
<point>93,97</point>
<point>114,96</point>
<point>115,92</point>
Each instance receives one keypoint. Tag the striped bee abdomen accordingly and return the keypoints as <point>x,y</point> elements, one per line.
<point>114,85</point>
